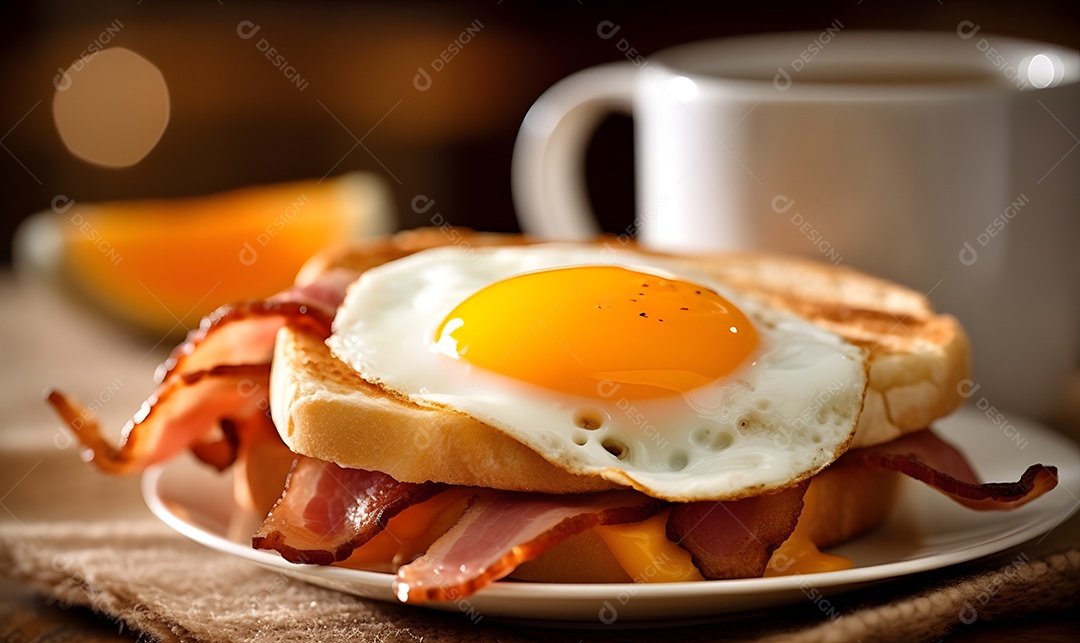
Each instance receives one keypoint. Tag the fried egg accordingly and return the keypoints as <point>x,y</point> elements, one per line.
<point>617,364</point>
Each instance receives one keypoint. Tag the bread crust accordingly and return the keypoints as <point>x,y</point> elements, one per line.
<point>324,409</point>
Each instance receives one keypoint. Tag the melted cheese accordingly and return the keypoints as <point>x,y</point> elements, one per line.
<point>646,554</point>
<point>799,554</point>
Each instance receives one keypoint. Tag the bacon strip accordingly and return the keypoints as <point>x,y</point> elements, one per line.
<point>181,413</point>
<point>499,531</point>
<point>328,511</point>
<point>735,538</point>
<point>220,372</point>
<point>221,453</point>
<point>927,458</point>
<point>243,333</point>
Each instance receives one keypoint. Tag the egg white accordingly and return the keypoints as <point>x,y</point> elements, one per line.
<point>785,414</point>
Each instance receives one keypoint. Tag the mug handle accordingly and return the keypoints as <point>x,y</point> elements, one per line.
<point>547,171</point>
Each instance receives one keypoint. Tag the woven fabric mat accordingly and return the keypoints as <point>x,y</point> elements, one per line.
<point>159,583</point>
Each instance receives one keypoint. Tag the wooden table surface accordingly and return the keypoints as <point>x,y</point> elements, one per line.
<point>46,341</point>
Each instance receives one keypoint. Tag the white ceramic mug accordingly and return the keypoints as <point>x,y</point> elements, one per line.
<point>940,160</point>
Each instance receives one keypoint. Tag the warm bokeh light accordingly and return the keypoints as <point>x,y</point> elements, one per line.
<point>111,108</point>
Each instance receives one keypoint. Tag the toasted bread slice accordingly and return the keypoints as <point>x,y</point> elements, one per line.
<point>918,359</point>
<point>324,409</point>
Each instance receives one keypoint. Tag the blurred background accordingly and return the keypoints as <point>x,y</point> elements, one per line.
<point>348,71</point>
<point>426,97</point>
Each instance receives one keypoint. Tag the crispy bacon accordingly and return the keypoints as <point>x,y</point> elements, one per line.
<point>243,333</point>
<point>221,453</point>
<point>218,375</point>
<point>181,413</point>
<point>735,538</point>
<point>327,511</point>
<point>927,458</point>
<point>499,531</point>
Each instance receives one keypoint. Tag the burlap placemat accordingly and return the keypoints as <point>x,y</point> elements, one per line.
<point>161,584</point>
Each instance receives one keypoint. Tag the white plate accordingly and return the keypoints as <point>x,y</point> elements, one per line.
<point>926,531</point>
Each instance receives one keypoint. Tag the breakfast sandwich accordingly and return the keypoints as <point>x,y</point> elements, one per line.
<point>460,408</point>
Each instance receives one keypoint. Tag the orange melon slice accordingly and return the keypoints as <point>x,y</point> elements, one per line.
<point>164,264</point>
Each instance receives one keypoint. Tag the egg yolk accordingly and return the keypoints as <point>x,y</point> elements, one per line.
<point>599,331</point>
